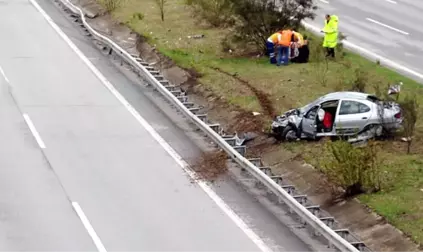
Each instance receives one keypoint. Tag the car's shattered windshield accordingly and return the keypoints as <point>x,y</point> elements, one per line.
<point>310,105</point>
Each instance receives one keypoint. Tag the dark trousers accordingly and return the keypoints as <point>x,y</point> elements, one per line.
<point>303,56</point>
<point>271,52</point>
<point>330,52</point>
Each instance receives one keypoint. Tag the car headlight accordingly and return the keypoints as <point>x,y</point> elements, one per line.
<point>275,124</point>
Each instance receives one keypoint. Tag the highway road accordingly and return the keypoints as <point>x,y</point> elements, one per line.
<point>80,172</point>
<point>389,28</point>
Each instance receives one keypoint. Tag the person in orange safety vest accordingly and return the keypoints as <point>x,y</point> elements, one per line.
<point>284,49</point>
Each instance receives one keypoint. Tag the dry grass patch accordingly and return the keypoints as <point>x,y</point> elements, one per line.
<point>211,166</point>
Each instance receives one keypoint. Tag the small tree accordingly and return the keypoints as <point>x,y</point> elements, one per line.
<point>356,169</point>
<point>340,52</point>
<point>319,62</point>
<point>258,19</point>
<point>409,109</point>
<point>111,5</point>
<point>360,80</point>
<point>161,4</point>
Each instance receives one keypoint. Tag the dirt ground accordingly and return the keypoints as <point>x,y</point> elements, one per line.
<point>372,229</point>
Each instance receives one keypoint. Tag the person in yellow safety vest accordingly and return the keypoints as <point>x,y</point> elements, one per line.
<point>298,38</point>
<point>330,30</point>
<point>273,40</point>
<point>298,42</point>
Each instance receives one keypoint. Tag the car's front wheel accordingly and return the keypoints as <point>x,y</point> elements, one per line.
<point>289,133</point>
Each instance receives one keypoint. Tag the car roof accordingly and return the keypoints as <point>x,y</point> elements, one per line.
<point>335,96</point>
<point>345,95</point>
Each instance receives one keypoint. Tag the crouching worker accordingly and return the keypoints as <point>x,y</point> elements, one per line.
<point>303,51</point>
<point>272,41</point>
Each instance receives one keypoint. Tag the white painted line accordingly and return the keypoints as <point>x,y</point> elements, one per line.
<point>387,26</point>
<point>324,1</point>
<point>358,49</point>
<point>34,131</point>
<point>391,1</point>
<point>88,227</point>
<point>178,159</point>
<point>4,75</point>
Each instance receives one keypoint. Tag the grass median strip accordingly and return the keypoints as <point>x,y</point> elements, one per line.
<point>235,75</point>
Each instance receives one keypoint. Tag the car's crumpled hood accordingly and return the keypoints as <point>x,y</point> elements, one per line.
<point>289,116</point>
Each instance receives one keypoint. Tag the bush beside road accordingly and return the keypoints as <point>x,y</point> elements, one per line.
<point>234,76</point>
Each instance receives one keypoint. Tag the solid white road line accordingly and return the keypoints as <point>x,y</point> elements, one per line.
<point>324,1</point>
<point>387,26</point>
<point>4,75</point>
<point>34,131</point>
<point>88,227</point>
<point>391,1</point>
<point>178,159</point>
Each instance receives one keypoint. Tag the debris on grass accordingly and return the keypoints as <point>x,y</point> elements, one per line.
<point>246,122</point>
<point>211,166</point>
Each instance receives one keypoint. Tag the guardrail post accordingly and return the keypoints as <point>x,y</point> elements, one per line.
<point>256,161</point>
<point>230,140</point>
<point>358,245</point>
<point>329,221</point>
<point>342,232</point>
<point>241,149</point>
<point>266,170</point>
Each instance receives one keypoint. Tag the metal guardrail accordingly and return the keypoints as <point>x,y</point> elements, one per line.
<point>296,203</point>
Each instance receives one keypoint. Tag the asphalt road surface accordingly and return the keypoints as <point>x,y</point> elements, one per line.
<point>390,28</point>
<point>78,171</point>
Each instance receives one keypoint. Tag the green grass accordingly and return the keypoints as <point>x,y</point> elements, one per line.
<point>402,204</point>
<point>292,86</point>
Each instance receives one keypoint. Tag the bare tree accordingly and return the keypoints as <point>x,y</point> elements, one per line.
<point>410,114</point>
<point>161,4</point>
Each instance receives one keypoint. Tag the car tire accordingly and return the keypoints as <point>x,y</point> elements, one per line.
<point>289,134</point>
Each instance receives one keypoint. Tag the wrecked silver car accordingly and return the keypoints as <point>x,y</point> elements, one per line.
<point>357,116</point>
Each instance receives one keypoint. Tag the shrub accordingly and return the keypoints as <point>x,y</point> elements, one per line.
<point>135,17</point>
<point>218,13</point>
<point>111,5</point>
<point>321,70</point>
<point>410,113</point>
<point>340,52</point>
<point>355,169</point>
<point>361,78</point>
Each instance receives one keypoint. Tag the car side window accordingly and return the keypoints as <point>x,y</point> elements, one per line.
<point>353,107</point>
<point>312,113</point>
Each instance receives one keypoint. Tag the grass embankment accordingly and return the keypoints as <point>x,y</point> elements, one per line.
<point>287,87</point>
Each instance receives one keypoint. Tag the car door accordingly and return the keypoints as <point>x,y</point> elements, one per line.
<point>308,124</point>
<point>352,116</point>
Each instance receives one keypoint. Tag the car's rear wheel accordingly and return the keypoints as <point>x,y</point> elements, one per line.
<point>289,134</point>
